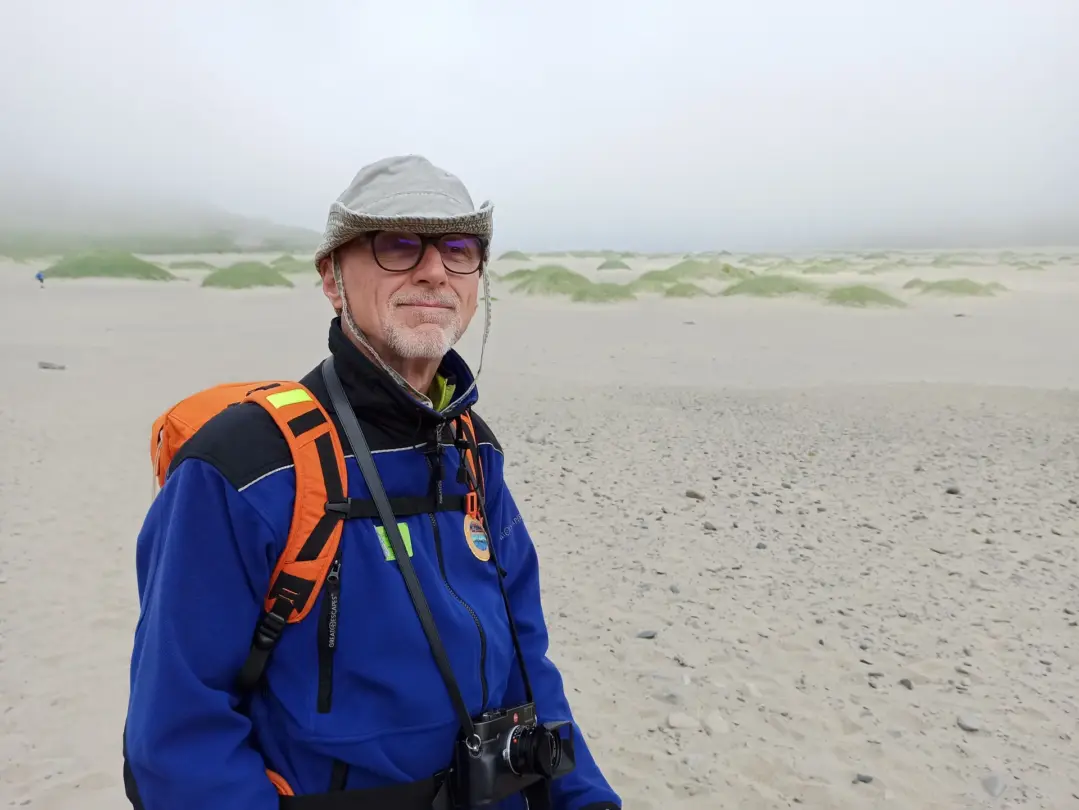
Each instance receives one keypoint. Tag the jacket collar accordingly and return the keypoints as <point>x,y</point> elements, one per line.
<point>378,397</point>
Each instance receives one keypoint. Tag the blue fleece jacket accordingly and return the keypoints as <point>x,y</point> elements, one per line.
<point>204,559</point>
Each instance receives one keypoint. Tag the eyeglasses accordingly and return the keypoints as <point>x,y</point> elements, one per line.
<point>401,251</point>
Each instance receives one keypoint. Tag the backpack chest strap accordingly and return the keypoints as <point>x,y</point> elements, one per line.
<point>404,506</point>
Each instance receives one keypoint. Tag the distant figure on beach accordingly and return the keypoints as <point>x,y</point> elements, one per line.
<point>340,602</point>
<point>40,276</point>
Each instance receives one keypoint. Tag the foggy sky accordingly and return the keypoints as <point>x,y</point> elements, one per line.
<point>636,124</point>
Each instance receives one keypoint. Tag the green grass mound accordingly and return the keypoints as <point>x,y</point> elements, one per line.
<point>654,281</point>
<point>603,293</point>
<point>862,295</point>
<point>107,264</point>
<point>685,289</point>
<point>613,264</point>
<point>550,279</point>
<point>773,287</point>
<point>514,255</point>
<point>954,286</point>
<point>517,275</point>
<point>290,264</point>
<point>696,270</point>
<point>825,267</point>
<point>872,271</point>
<point>688,272</point>
<point>245,275</point>
<point>191,264</point>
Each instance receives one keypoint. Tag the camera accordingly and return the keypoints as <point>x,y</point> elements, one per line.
<point>510,753</point>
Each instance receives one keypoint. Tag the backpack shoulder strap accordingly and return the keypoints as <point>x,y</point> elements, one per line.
<point>315,532</point>
<point>472,451</point>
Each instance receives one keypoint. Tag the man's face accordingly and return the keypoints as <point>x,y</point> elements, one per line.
<point>416,314</point>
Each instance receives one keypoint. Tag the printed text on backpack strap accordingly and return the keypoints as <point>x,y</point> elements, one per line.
<point>315,533</point>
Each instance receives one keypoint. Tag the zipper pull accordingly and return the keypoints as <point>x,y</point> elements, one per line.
<point>334,577</point>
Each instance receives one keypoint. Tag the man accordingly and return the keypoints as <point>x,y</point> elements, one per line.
<point>352,698</point>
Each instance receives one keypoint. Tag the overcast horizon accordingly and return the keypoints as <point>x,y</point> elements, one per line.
<point>636,126</point>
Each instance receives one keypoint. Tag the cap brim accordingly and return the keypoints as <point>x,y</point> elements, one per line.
<point>343,225</point>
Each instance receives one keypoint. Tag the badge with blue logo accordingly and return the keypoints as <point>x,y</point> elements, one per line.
<point>476,538</point>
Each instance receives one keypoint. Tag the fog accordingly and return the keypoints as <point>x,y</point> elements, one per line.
<point>632,125</point>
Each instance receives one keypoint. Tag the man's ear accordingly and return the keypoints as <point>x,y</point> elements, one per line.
<point>329,283</point>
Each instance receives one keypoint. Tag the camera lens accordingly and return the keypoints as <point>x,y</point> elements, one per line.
<point>533,751</point>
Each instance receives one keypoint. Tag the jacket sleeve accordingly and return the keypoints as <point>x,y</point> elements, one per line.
<point>585,788</point>
<point>202,562</point>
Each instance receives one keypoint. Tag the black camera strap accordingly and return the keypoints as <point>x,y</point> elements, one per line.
<point>362,453</point>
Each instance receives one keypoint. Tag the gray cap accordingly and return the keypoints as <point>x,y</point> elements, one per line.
<point>404,193</point>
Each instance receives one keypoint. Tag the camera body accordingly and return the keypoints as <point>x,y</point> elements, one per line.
<point>510,753</point>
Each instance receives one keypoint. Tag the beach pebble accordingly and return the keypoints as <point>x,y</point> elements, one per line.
<point>647,634</point>
<point>678,720</point>
<point>45,364</point>
<point>709,526</point>
<point>694,494</point>
<point>994,784</point>
<point>864,778</point>
<point>969,722</point>
<point>952,490</point>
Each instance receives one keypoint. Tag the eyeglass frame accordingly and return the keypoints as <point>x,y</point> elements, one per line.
<point>425,240</point>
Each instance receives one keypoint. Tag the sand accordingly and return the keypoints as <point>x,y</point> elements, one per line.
<point>760,486</point>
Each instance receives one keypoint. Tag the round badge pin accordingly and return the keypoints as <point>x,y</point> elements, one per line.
<point>476,538</point>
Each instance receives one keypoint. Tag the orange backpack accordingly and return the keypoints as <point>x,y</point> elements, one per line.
<point>321,480</point>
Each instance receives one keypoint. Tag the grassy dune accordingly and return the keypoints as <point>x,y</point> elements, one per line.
<point>290,264</point>
<point>861,295</point>
<point>603,293</point>
<point>107,264</point>
<point>245,275</point>
<point>773,286</point>
<point>514,255</point>
<point>549,279</point>
<point>554,279</point>
<point>688,271</point>
<point>685,289</point>
<point>954,286</point>
<point>613,264</point>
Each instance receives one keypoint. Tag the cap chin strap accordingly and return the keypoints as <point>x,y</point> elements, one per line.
<point>354,330</point>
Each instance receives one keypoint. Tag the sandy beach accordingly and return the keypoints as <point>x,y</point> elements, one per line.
<point>794,554</point>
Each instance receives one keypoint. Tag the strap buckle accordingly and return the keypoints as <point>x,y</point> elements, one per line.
<point>339,507</point>
<point>472,505</point>
<point>273,623</point>
<point>267,634</point>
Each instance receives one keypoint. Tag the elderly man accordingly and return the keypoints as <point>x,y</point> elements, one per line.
<point>419,678</point>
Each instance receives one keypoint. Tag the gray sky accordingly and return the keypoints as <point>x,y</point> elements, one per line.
<point>679,125</point>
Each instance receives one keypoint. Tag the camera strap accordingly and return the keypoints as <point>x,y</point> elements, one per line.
<point>354,436</point>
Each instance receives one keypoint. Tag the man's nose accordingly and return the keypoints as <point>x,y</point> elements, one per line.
<point>430,270</point>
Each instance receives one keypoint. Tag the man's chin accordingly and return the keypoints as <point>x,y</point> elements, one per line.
<point>428,341</point>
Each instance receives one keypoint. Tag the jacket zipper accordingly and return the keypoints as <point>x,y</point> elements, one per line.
<point>468,607</point>
<point>327,632</point>
<point>437,467</point>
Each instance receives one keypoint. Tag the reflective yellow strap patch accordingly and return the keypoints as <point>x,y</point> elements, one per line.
<point>284,398</point>
<point>387,549</point>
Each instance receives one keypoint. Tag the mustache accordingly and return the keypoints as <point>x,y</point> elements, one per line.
<point>444,300</point>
